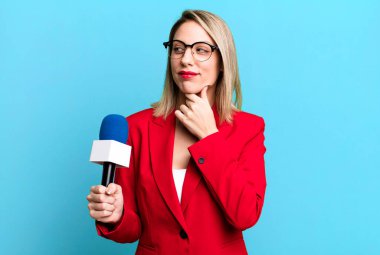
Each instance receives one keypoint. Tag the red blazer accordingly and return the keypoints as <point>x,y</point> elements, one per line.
<point>223,190</point>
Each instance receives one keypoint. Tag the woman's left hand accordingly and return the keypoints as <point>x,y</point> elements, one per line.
<point>197,115</point>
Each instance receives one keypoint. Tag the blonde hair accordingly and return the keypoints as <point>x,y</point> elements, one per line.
<point>228,81</point>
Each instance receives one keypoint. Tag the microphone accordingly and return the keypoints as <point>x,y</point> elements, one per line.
<point>111,149</point>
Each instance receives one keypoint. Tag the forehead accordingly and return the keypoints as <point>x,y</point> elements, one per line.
<point>191,32</point>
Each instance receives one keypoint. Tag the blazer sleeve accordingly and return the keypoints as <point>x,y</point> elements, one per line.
<point>236,179</point>
<point>128,229</point>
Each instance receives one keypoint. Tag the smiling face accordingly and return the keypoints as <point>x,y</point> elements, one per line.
<point>205,73</point>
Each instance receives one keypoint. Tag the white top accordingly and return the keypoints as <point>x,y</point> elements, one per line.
<point>179,177</point>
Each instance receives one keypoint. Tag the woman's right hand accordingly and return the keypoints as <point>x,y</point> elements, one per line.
<point>106,203</point>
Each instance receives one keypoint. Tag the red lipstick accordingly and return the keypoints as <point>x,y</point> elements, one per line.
<point>187,74</point>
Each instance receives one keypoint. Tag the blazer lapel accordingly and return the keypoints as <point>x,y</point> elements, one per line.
<point>192,179</point>
<point>161,143</point>
<point>193,176</point>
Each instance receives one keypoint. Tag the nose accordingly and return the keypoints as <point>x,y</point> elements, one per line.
<point>187,57</point>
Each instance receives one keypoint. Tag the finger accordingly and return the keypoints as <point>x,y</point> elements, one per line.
<point>101,198</point>
<point>118,190</point>
<point>184,109</point>
<point>113,189</point>
<point>189,104</point>
<point>180,116</point>
<point>204,93</point>
<point>99,214</point>
<point>192,97</point>
<point>98,189</point>
<point>108,219</point>
<point>110,189</point>
<point>101,207</point>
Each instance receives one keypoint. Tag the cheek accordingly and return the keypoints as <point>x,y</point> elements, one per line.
<point>173,72</point>
<point>212,72</point>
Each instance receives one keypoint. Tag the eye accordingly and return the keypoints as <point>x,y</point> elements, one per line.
<point>202,50</point>
<point>178,49</point>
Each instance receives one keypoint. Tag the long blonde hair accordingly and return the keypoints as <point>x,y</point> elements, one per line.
<point>228,81</point>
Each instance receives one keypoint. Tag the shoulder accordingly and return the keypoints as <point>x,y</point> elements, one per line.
<point>246,119</point>
<point>245,126</point>
<point>138,124</point>
<point>139,120</point>
<point>140,117</point>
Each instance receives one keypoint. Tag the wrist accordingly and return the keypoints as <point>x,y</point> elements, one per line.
<point>210,132</point>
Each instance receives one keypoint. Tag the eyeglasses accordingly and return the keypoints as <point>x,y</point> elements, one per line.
<point>201,51</point>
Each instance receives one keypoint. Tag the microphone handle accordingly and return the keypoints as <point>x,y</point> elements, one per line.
<point>108,173</point>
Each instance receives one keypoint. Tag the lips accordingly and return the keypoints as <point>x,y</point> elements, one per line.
<point>187,74</point>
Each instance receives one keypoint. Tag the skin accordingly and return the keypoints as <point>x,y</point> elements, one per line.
<point>194,117</point>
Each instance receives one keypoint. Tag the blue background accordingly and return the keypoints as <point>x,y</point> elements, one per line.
<point>310,68</point>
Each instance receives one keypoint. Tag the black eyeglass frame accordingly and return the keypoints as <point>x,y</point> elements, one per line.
<point>170,43</point>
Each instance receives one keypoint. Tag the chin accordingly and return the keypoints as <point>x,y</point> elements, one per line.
<point>189,88</point>
<point>191,91</point>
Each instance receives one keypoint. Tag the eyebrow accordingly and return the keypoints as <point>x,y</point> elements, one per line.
<point>174,39</point>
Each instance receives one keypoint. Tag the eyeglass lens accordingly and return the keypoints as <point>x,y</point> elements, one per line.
<point>201,51</point>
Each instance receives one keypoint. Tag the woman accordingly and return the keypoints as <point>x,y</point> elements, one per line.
<point>196,178</point>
